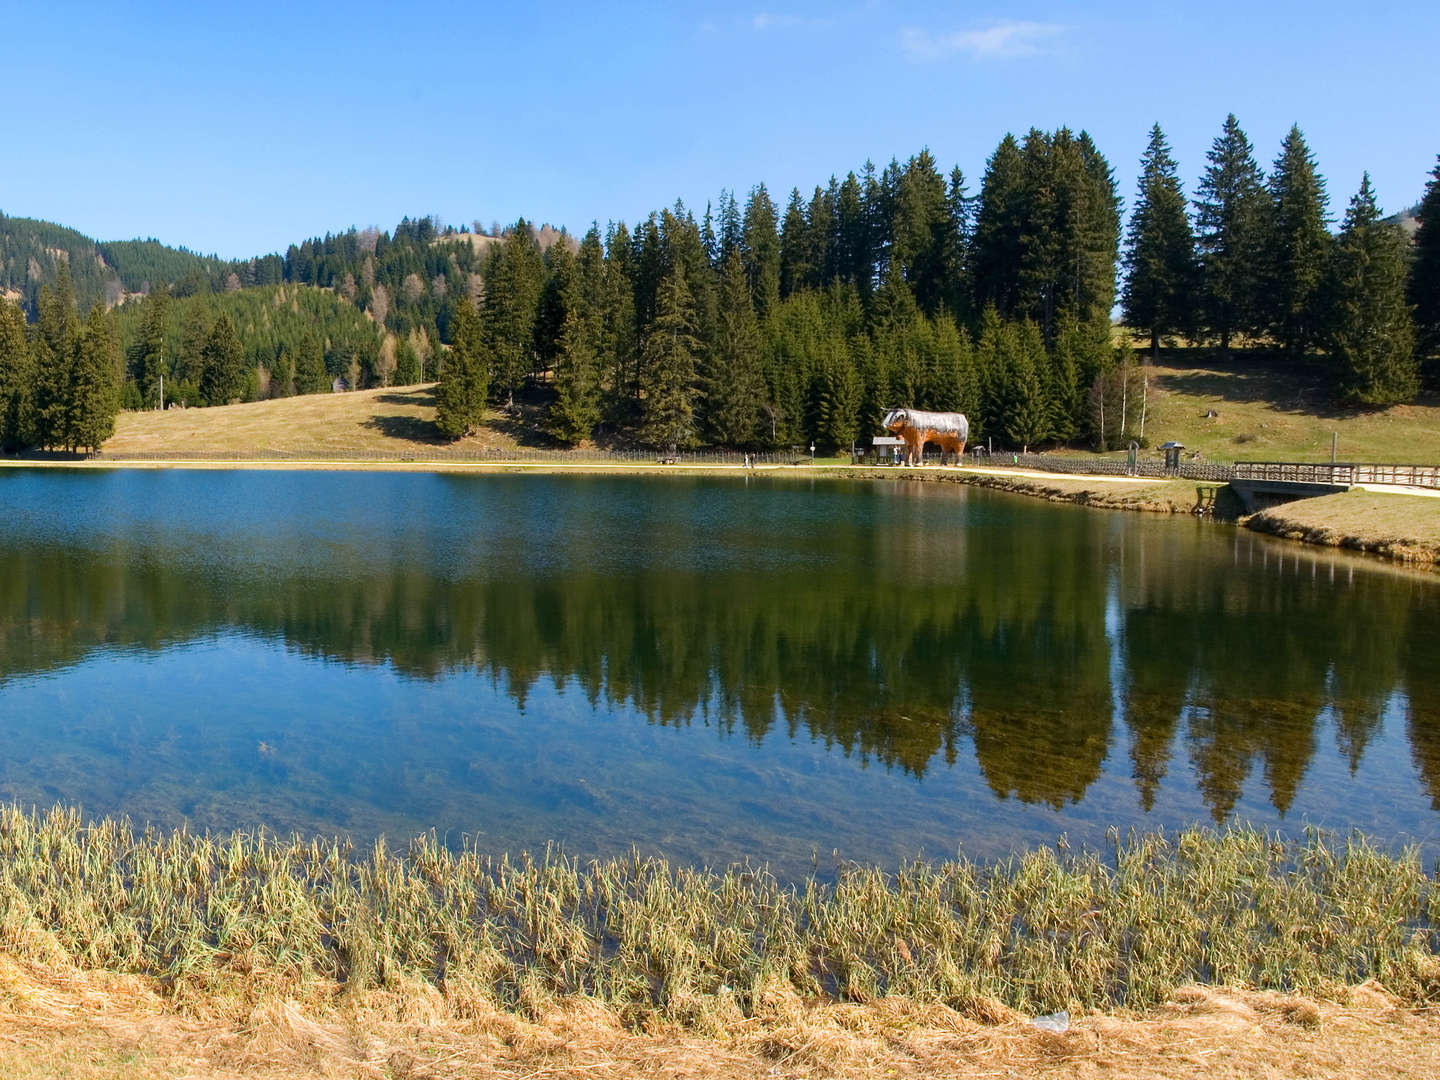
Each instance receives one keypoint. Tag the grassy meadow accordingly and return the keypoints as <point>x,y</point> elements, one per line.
<point>1274,412</point>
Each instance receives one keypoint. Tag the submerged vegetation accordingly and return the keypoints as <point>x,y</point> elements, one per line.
<point>1041,930</point>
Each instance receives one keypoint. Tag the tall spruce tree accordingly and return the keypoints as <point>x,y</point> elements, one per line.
<point>1425,271</point>
<point>960,287</point>
<point>1372,335</point>
<point>222,375</point>
<point>999,224</point>
<point>94,384</point>
<point>795,247</point>
<point>734,382</point>
<point>921,227</point>
<point>513,282</point>
<point>147,356</point>
<point>853,260</point>
<point>577,406</point>
<point>1231,214</point>
<point>17,381</point>
<point>1298,243</point>
<point>57,334</point>
<point>760,250</point>
<point>461,393</point>
<point>670,352</point>
<point>1160,273</point>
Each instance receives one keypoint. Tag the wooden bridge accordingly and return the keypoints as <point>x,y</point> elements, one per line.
<point>1266,483</point>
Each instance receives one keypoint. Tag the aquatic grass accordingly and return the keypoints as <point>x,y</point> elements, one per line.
<point>1047,928</point>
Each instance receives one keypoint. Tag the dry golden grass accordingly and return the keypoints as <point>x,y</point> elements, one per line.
<point>65,1022</point>
<point>1404,527</point>
<point>393,420</point>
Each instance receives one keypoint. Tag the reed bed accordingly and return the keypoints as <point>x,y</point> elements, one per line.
<point>1121,928</point>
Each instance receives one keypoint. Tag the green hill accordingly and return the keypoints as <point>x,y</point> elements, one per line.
<point>32,253</point>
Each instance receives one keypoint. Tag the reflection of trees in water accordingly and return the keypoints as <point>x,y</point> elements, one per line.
<point>899,659</point>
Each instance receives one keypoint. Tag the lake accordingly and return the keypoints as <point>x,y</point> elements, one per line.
<point>715,669</point>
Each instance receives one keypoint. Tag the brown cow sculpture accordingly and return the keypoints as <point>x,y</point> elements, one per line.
<point>916,427</point>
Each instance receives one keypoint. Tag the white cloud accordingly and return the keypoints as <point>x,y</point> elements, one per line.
<point>999,41</point>
<point>769,20</point>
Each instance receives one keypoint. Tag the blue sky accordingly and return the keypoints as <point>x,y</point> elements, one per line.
<point>237,131</point>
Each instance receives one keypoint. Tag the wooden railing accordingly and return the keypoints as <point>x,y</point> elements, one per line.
<point>1338,473</point>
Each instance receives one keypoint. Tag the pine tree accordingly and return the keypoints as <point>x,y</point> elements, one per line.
<point>795,268</point>
<point>841,395</point>
<point>853,260</point>
<point>94,385</point>
<point>760,251</point>
<point>310,367</point>
<point>222,377</point>
<point>513,281</point>
<point>57,335</point>
<point>1027,408</point>
<point>1298,243</point>
<point>959,286</point>
<point>1160,272</point>
<point>999,223</point>
<point>1372,335</point>
<point>17,379</point>
<point>464,382</point>
<point>670,351</point>
<point>577,406</point>
<point>734,382</point>
<point>147,355</point>
<point>920,227</point>
<point>1425,271</point>
<point>1231,212</point>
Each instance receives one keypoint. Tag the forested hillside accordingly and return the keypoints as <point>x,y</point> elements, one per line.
<point>779,322</point>
<point>33,252</point>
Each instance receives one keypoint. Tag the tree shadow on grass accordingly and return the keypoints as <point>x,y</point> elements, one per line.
<point>407,428</point>
<point>423,397</point>
<point>1256,377</point>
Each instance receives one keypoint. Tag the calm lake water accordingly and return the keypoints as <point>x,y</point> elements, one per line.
<point>713,669</point>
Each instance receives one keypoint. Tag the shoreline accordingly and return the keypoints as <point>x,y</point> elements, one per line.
<point>1304,521</point>
<point>243,950</point>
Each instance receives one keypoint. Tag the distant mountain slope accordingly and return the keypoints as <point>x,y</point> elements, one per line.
<point>1408,219</point>
<point>32,252</point>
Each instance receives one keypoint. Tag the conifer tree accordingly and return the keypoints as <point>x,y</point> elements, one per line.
<point>1160,250</point>
<point>222,377</point>
<point>1372,336</point>
<point>795,247</point>
<point>670,350</point>
<point>147,355</point>
<point>760,251</point>
<point>854,262</point>
<point>577,406</point>
<point>461,393</point>
<point>94,384</point>
<point>1027,407</point>
<point>841,394</point>
<point>1298,244</point>
<point>1425,271</point>
<point>512,295</point>
<point>57,335</point>
<point>17,381</point>
<point>920,227</point>
<point>960,288</point>
<point>734,382</point>
<point>1230,226</point>
<point>819,219</point>
<point>999,224</point>
<point>310,374</point>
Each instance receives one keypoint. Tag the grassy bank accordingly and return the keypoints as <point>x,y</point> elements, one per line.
<point>1264,410</point>
<point>1047,929</point>
<point>125,954</point>
<point>1405,528</point>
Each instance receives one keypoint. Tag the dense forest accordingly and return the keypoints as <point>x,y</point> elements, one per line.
<point>762,324</point>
